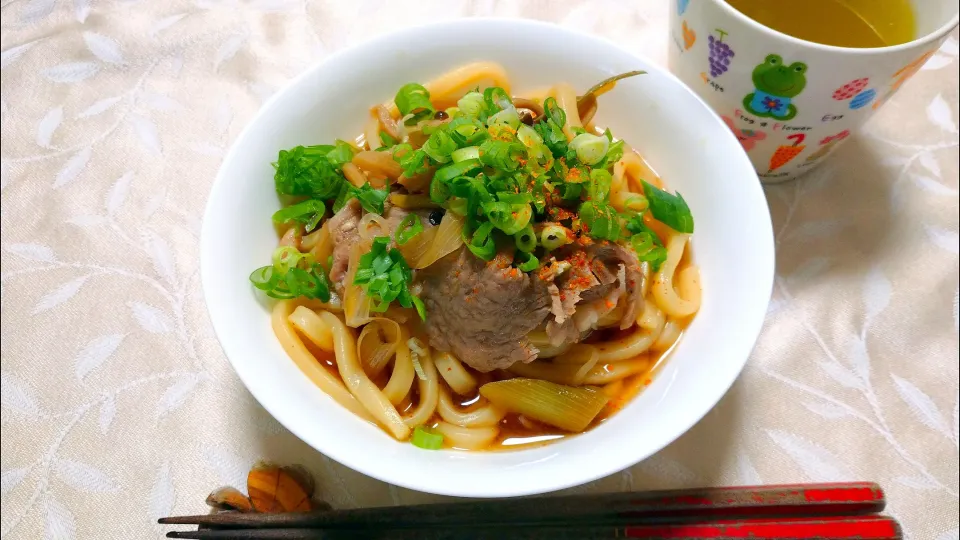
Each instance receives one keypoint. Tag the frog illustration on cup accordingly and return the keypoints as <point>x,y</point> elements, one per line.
<point>775,86</point>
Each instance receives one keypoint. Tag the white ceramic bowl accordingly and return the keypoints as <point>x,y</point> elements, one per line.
<point>685,142</point>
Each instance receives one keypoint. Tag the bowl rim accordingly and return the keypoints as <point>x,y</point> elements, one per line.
<point>547,484</point>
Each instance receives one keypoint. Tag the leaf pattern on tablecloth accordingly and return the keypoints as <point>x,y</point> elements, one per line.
<point>116,116</point>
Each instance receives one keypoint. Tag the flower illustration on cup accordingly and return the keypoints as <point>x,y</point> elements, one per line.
<point>827,144</point>
<point>775,86</point>
<point>857,92</point>
<point>748,137</point>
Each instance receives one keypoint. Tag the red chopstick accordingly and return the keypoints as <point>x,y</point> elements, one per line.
<point>846,499</point>
<point>833,528</point>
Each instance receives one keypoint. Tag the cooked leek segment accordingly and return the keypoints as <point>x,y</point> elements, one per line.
<point>566,407</point>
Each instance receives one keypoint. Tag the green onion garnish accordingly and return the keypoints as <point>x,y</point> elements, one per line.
<point>671,209</point>
<point>292,274</point>
<point>590,148</point>
<point>414,99</point>
<point>554,236</point>
<point>308,212</point>
<point>454,170</point>
<point>600,221</point>
<point>409,227</point>
<point>509,218</point>
<point>427,439</point>
<point>471,104</point>
<point>463,154</point>
<point>526,239</point>
<point>439,146</point>
<point>481,243</point>
<point>385,277</point>
<point>528,262</point>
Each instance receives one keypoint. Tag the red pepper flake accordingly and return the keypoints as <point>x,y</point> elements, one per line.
<point>610,304</point>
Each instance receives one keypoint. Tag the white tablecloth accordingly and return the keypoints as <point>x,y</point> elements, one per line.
<point>119,407</point>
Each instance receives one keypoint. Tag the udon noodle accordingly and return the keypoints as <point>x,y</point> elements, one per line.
<point>375,356</point>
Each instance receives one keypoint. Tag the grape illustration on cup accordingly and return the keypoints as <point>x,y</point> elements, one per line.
<point>720,54</point>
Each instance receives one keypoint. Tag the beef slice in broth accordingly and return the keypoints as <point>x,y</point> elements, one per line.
<point>482,312</point>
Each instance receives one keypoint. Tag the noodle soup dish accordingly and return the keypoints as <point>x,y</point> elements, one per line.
<point>486,266</point>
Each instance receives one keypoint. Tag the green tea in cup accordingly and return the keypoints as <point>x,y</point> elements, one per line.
<point>841,23</point>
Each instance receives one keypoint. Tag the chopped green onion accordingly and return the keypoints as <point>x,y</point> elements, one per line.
<point>439,146</point>
<point>342,153</point>
<point>385,277</point>
<point>386,141</point>
<point>509,218</point>
<point>454,170</point>
<point>599,188</point>
<point>655,256</point>
<point>637,203</point>
<point>528,136</point>
<point>641,242</point>
<point>308,212</point>
<point>307,170</point>
<point>463,154</point>
<point>467,131</point>
<point>471,104</point>
<point>614,154</point>
<point>526,239</point>
<point>452,111</point>
<point>409,227</point>
<point>413,162</point>
<point>439,191</point>
<point>554,236</point>
<point>528,261</point>
<point>501,155</point>
<point>458,206</point>
<point>590,149</point>
<point>371,199</point>
<point>671,209</point>
<point>507,117</point>
<point>426,439</point>
<point>496,98</point>
<point>293,274</point>
<point>553,111</point>
<point>600,220</point>
<point>481,243</point>
<point>414,99</point>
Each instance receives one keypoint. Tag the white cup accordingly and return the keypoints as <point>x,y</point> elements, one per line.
<point>792,102</point>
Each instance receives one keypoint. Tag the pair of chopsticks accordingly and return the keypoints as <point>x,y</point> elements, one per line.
<point>812,511</point>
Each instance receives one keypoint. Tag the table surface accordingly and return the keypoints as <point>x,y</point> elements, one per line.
<point>119,406</point>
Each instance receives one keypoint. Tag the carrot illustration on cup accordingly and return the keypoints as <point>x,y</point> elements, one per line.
<point>785,154</point>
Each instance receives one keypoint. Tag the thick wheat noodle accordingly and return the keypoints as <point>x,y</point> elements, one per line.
<point>636,343</point>
<point>357,381</point>
<point>401,378</point>
<point>530,105</point>
<point>374,352</point>
<point>664,293</point>
<point>308,323</point>
<point>617,371</point>
<point>669,335</point>
<point>456,376</point>
<point>485,415</point>
<point>308,364</point>
<point>451,86</point>
<point>429,392</point>
<point>567,100</point>
<point>468,438</point>
<point>651,317</point>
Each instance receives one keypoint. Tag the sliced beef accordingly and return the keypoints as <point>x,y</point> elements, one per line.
<point>482,312</point>
<point>344,230</point>
<point>599,278</point>
<point>614,256</point>
<point>345,233</point>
